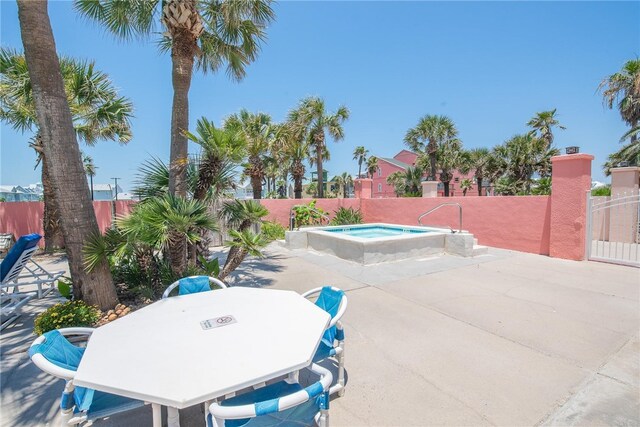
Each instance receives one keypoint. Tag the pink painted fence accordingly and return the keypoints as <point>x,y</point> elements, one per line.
<point>21,218</point>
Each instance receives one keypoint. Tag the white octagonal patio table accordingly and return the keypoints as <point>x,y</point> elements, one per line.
<point>188,349</point>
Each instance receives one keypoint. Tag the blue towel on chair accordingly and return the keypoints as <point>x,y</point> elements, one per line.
<point>192,285</point>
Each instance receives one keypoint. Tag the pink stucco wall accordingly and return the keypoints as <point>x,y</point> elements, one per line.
<point>279,209</point>
<point>21,218</point>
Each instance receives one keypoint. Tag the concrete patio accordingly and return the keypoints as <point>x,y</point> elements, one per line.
<point>507,338</point>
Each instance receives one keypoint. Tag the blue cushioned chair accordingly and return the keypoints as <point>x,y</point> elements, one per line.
<point>193,284</point>
<point>334,301</point>
<point>18,269</point>
<point>279,404</point>
<point>56,355</point>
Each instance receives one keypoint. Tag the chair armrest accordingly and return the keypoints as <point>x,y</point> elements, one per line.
<point>278,404</point>
<point>41,362</point>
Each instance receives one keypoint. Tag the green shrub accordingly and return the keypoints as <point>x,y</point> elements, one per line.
<point>308,214</point>
<point>272,231</point>
<point>65,285</point>
<point>601,191</point>
<point>346,216</point>
<point>66,315</point>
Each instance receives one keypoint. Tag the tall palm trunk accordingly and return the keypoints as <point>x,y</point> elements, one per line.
<point>62,153</point>
<point>182,58</point>
<point>359,167</point>
<point>256,184</point>
<point>53,237</point>
<point>479,181</point>
<point>319,137</point>
<point>446,188</point>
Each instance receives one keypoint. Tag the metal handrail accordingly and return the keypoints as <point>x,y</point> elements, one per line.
<point>438,207</point>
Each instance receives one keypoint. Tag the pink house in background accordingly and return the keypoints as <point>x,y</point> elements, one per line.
<point>403,160</point>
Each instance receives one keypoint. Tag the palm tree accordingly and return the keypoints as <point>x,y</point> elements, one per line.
<point>450,157</point>
<point>89,169</point>
<point>292,143</point>
<point>360,154</point>
<point>312,115</point>
<point>629,154</point>
<point>62,153</point>
<point>98,112</point>
<point>344,181</point>
<point>372,166</point>
<point>413,181</point>
<point>623,88</point>
<point>397,179</point>
<point>204,33</point>
<point>245,243</point>
<point>477,160</point>
<point>425,138</point>
<point>542,124</point>
<point>222,150</point>
<point>258,132</point>
<point>466,185</point>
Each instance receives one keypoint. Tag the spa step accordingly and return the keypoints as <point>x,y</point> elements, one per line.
<point>480,250</point>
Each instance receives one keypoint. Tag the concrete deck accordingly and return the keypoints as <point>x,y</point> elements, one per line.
<point>506,338</point>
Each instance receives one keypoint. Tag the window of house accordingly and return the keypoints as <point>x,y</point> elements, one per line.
<point>379,172</point>
<point>456,179</point>
<point>379,187</point>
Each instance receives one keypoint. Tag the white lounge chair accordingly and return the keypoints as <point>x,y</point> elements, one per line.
<point>193,284</point>
<point>56,355</point>
<point>18,270</point>
<point>334,301</point>
<point>285,403</point>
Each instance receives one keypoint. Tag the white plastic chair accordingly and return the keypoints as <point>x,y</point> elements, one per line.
<point>283,403</point>
<point>334,301</point>
<point>54,353</point>
<point>193,284</point>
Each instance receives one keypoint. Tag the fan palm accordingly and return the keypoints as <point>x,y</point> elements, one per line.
<point>413,181</point>
<point>97,112</point>
<point>425,138</point>
<point>450,157</point>
<point>623,90</point>
<point>89,169</point>
<point>542,124</point>
<point>397,180</point>
<point>206,33</point>
<point>312,115</point>
<point>152,178</point>
<point>476,160</point>
<point>372,166</point>
<point>293,145</point>
<point>629,154</point>
<point>360,154</point>
<point>258,132</point>
<point>245,243</point>
<point>222,150</point>
<point>466,185</point>
<point>344,181</point>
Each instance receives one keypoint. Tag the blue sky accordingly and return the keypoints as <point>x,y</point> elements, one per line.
<point>489,66</point>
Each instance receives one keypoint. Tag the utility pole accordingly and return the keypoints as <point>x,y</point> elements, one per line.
<point>116,180</point>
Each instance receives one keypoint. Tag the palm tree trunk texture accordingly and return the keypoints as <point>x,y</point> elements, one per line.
<point>319,148</point>
<point>53,237</point>
<point>297,187</point>
<point>479,181</point>
<point>233,261</point>
<point>178,254</point>
<point>182,54</point>
<point>432,161</point>
<point>446,188</point>
<point>256,184</point>
<point>62,153</point>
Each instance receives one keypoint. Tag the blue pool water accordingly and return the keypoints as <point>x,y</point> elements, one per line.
<point>375,231</point>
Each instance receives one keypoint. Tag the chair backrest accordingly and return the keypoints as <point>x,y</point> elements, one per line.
<point>193,284</point>
<point>276,404</point>
<point>18,256</point>
<point>334,301</point>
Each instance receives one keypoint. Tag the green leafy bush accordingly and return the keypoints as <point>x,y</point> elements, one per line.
<point>308,214</point>
<point>601,191</point>
<point>346,216</point>
<point>66,315</point>
<point>272,231</point>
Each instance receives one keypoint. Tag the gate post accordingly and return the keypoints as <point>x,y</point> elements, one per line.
<point>570,180</point>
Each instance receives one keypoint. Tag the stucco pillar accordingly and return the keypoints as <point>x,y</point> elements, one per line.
<point>429,188</point>
<point>363,188</point>
<point>570,181</point>
<point>625,180</point>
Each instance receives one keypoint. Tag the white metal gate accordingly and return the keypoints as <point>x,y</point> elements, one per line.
<point>613,228</point>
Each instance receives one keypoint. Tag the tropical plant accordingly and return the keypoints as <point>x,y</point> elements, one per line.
<point>258,132</point>
<point>542,124</point>
<point>152,178</point>
<point>97,113</point>
<point>62,153</point>
<point>312,189</point>
<point>622,89</point>
<point>466,185</point>
<point>272,231</point>
<point>89,169</point>
<point>308,214</point>
<point>206,33</point>
<point>222,151</point>
<point>413,181</point>
<point>372,166</point>
<point>629,154</point>
<point>601,191</point>
<point>397,180</point>
<point>360,154</point>
<point>344,181</point>
<point>292,143</point>
<point>245,243</point>
<point>70,314</point>
<point>346,216</point>
<point>425,138</point>
<point>477,160</point>
<point>450,157</point>
<point>542,187</point>
<point>312,116</point>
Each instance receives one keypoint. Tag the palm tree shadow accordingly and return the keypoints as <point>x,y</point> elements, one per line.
<point>251,273</point>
